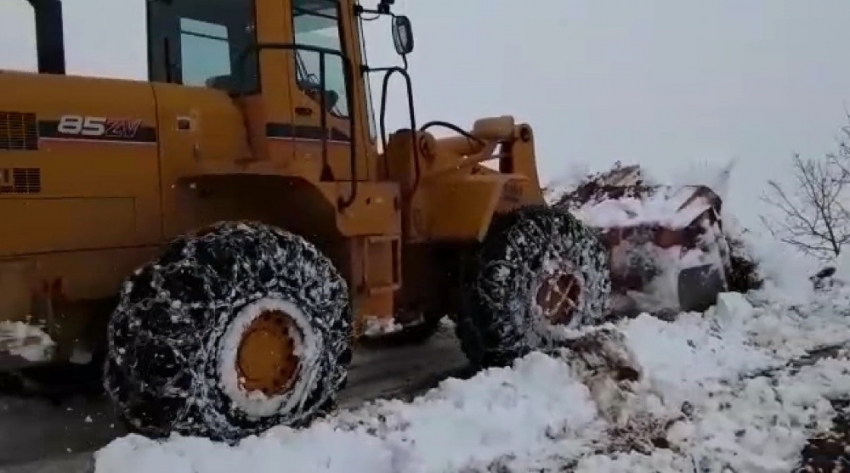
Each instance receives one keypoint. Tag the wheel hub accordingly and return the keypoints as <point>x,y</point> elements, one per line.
<point>558,297</point>
<point>266,358</point>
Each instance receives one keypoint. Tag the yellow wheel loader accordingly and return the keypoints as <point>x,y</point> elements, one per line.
<point>220,237</point>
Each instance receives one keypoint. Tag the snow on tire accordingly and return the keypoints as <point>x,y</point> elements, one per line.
<point>538,271</point>
<point>231,331</point>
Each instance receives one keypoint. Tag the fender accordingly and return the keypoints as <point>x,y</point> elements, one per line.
<point>461,208</point>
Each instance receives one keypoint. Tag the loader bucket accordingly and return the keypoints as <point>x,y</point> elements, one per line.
<point>667,252</point>
<point>699,286</point>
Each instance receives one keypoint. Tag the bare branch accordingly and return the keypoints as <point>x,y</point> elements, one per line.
<point>813,212</point>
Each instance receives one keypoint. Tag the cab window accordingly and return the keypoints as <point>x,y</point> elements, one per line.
<point>204,50</point>
<point>199,43</point>
<point>316,23</point>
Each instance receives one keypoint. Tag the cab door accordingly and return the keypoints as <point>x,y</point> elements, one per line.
<point>323,105</point>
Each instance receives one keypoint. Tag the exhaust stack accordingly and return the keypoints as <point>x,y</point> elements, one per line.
<point>50,36</point>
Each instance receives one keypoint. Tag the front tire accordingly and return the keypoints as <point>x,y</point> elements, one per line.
<point>231,331</point>
<point>538,271</point>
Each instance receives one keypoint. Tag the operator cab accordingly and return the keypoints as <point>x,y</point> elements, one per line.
<point>206,43</point>
<point>291,66</point>
<point>295,68</point>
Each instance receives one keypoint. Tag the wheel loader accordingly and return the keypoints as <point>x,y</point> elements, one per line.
<point>220,237</point>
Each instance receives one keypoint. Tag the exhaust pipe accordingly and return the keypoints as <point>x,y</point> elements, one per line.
<point>50,36</point>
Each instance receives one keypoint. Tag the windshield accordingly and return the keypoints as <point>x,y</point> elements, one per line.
<point>315,24</point>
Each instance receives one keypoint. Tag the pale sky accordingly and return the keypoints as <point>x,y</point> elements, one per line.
<point>662,82</point>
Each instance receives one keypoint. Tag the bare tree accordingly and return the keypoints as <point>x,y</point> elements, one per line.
<point>813,211</point>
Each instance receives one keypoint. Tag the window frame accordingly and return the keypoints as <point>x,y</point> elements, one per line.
<point>164,39</point>
<point>343,50</point>
<point>197,35</point>
<point>371,118</point>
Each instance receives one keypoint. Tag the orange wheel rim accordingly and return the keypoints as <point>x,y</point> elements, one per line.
<point>558,297</point>
<point>266,359</point>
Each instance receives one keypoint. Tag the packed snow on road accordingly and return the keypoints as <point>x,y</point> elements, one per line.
<point>743,387</point>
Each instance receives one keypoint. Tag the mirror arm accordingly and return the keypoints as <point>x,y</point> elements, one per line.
<point>359,10</point>
<point>384,8</point>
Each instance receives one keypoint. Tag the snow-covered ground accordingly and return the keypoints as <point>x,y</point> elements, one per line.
<point>720,391</point>
<point>734,389</point>
<point>26,341</point>
<point>39,436</point>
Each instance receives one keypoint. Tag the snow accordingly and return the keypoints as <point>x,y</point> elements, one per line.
<point>375,325</point>
<point>715,176</point>
<point>722,387</point>
<point>732,389</point>
<point>567,182</point>
<point>662,208</point>
<point>26,341</point>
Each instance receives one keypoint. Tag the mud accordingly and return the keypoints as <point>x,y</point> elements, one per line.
<point>829,451</point>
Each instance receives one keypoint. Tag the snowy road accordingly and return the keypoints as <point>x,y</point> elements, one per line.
<point>39,437</point>
<point>735,389</point>
<point>755,384</point>
<point>738,388</point>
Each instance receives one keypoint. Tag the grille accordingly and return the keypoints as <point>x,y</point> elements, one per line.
<point>18,131</point>
<point>20,181</point>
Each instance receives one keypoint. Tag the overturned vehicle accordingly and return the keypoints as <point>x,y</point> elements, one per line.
<point>669,249</point>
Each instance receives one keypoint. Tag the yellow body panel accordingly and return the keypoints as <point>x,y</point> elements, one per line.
<point>120,181</point>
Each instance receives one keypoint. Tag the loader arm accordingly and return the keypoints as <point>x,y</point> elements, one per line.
<point>497,139</point>
<point>452,192</point>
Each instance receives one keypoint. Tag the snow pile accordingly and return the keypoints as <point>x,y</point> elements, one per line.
<point>784,272</point>
<point>836,272</point>
<point>460,424</point>
<point>665,207</point>
<point>715,176</point>
<point>631,195</point>
<point>739,388</point>
<point>729,389</point>
<point>555,190</point>
<point>26,341</point>
<point>842,265</point>
<point>471,425</point>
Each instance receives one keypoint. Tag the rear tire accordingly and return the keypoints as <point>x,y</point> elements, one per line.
<point>529,256</point>
<point>172,361</point>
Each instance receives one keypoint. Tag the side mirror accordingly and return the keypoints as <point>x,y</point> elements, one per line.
<point>402,35</point>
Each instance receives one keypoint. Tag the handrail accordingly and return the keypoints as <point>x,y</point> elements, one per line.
<point>389,71</point>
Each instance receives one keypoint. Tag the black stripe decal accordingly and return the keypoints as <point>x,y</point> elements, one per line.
<point>288,130</point>
<point>117,132</point>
